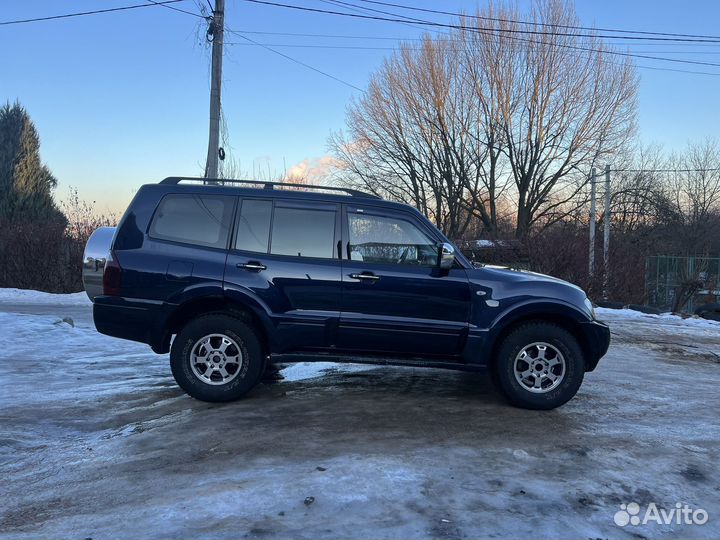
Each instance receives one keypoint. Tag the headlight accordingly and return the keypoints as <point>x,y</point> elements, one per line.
<point>591,308</point>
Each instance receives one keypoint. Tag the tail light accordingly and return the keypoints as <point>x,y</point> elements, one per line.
<point>112,276</point>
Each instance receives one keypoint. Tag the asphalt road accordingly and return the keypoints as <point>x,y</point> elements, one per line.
<point>96,441</point>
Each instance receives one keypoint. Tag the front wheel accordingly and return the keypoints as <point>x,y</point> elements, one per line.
<point>216,358</point>
<point>539,366</point>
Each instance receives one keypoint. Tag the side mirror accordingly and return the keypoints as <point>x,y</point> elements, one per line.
<point>446,256</point>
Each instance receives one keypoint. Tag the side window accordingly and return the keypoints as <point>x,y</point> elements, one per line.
<point>193,219</point>
<point>253,226</point>
<point>389,240</point>
<point>303,232</point>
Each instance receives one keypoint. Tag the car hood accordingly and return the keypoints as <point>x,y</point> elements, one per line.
<point>505,287</point>
<point>508,274</point>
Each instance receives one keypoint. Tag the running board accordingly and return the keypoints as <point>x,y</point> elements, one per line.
<point>450,363</point>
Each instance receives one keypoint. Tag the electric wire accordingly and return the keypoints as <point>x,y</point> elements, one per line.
<point>93,12</point>
<point>295,60</point>
<point>549,25</point>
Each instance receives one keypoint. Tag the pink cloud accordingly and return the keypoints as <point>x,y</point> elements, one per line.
<point>312,170</point>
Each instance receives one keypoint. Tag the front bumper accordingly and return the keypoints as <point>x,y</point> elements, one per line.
<point>596,335</point>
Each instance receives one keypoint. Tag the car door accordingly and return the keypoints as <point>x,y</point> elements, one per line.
<point>183,251</point>
<point>284,254</point>
<point>394,299</point>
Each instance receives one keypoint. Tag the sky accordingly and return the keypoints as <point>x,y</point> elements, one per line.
<point>121,99</point>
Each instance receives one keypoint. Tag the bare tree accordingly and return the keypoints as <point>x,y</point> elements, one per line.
<point>640,195</point>
<point>695,189</point>
<point>409,137</point>
<point>452,126</point>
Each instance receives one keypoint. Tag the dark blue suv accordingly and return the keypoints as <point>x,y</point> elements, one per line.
<point>230,276</point>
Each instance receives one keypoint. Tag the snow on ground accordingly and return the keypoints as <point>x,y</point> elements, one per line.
<point>310,370</point>
<point>664,318</point>
<point>676,338</point>
<point>26,296</point>
<point>97,441</point>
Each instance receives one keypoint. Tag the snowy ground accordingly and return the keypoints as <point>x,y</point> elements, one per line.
<point>96,441</point>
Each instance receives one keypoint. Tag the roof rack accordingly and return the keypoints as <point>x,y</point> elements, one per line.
<point>267,185</point>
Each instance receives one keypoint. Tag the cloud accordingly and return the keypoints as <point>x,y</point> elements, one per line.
<point>312,170</point>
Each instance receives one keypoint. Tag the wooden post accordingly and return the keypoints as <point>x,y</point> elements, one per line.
<point>216,31</point>
<point>591,261</point>
<point>606,234</point>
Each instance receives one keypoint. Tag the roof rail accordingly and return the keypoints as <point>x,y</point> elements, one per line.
<point>267,185</point>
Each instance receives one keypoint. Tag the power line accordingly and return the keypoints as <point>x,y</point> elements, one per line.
<point>653,68</point>
<point>689,71</point>
<point>715,39</point>
<point>446,25</point>
<point>179,10</point>
<point>311,46</point>
<point>401,38</point>
<point>359,9</point>
<point>679,52</point>
<point>374,48</point>
<point>481,30</point>
<point>361,48</point>
<point>549,25</point>
<point>339,36</point>
<point>666,170</point>
<point>295,60</point>
<point>485,32</point>
<point>94,12</point>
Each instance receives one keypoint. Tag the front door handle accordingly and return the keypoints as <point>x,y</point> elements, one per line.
<point>366,276</point>
<point>252,265</point>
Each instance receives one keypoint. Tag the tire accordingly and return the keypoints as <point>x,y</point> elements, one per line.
<point>205,337</point>
<point>544,344</point>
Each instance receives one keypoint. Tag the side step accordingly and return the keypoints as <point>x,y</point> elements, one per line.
<point>450,363</point>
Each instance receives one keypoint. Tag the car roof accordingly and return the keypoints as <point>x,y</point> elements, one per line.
<point>297,192</point>
<point>309,194</point>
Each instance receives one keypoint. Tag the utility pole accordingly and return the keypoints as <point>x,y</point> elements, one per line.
<point>606,234</point>
<point>215,32</point>
<point>591,263</point>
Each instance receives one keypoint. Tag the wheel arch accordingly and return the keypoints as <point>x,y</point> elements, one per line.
<point>242,308</point>
<point>547,312</point>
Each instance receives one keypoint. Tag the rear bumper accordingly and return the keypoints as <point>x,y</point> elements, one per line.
<point>133,320</point>
<point>597,341</point>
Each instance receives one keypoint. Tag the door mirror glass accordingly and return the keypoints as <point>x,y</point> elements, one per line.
<point>446,256</point>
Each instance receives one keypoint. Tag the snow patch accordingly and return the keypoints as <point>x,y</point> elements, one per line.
<point>28,296</point>
<point>619,314</point>
<point>312,370</point>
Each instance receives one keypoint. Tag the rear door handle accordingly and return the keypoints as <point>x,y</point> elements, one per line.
<point>252,265</point>
<point>368,276</point>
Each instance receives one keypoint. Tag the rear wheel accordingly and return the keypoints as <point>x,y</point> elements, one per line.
<point>216,357</point>
<point>539,366</point>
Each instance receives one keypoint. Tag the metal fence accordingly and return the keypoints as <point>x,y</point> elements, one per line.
<point>666,277</point>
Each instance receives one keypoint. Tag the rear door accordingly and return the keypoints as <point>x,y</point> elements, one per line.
<point>183,251</point>
<point>284,253</point>
<point>393,297</point>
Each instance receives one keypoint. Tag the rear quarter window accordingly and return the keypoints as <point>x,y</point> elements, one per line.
<point>202,220</point>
